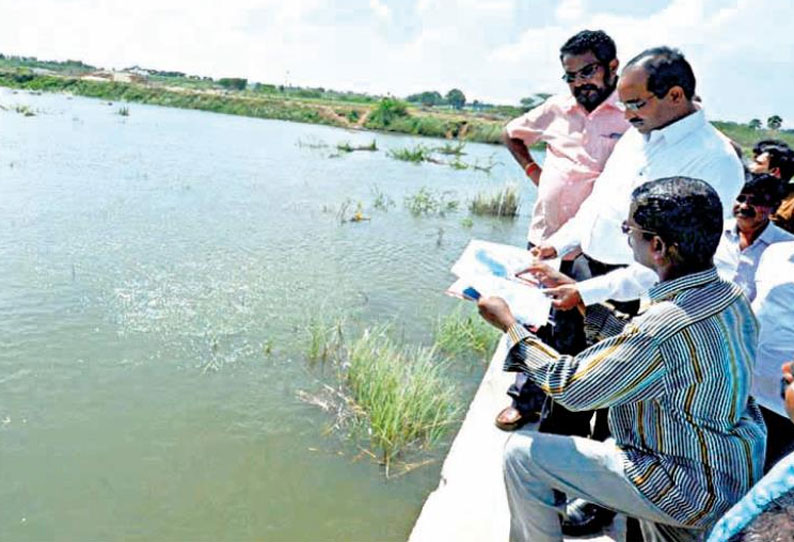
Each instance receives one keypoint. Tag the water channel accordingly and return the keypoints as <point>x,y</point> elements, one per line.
<point>158,271</point>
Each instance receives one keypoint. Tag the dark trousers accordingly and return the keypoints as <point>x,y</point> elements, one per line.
<point>565,333</point>
<point>779,437</point>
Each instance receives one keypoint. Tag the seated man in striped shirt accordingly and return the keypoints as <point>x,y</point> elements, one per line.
<point>688,438</point>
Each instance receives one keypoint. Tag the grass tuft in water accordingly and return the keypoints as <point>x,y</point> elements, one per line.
<point>326,338</point>
<point>505,202</point>
<point>24,110</point>
<point>124,111</point>
<point>400,393</point>
<point>450,149</point>
<point>382,201</point>
<point>417,154</point>
<point>427,202</point>
<point>463,332</point>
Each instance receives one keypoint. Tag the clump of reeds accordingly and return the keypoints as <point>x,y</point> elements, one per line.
<point>417,154</point>
<point>504,202</point>
<point>24,110</point>
<point>459,333</point>
<point>427,202</point>
<point>450,149</point>
<point>382,201</point>
<point>312,144</point>
<point>345,146</point>
<point>400,393</point>
<point>326,338</point>
<point>124,111</point>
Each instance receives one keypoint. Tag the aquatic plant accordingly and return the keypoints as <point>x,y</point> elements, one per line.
<point>326,338</point>
<point>416,154</point>
<point>464,332</point>
<point>467,222</point>
<point>382,201</point>
<point>504,202</point>
<point>312,144</point>
<point>24,110</point>
<point>124,111</point>
<point>450,149</point>
<point>427,202</point>
<point>399,393</point>
<point>345,146</point>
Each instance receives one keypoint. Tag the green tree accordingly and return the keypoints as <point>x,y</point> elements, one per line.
<point>774,122</point>
<point>755,124</point>
<point>233,83</point>
<point>427,98</point>
<point>456,98</point>
<point>533,101</point>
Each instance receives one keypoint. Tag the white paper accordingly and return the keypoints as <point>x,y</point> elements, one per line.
<point>490,269</point>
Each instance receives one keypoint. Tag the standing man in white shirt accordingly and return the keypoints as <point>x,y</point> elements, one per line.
<point>670,137</point>
<point>774,308</point>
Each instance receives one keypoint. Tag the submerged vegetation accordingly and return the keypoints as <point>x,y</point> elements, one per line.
<point>399,393</point>
<point>428,202</point>
<point>464,332</point>
<point>505,202</point>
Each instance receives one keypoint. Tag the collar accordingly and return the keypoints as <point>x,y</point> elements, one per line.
<point>767,236</point>
<point>610,102</point>
<point>670,288</point>
<point>675,132</point>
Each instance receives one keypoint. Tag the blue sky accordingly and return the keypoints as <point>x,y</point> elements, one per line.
<point>494,50</point>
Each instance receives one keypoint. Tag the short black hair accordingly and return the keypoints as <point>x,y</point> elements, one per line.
<point>768,186</point>
<point>780,156</point>
<point>775,522</point>
<point>595,41</point>
<point>684,212</point>
<point>666,68</point>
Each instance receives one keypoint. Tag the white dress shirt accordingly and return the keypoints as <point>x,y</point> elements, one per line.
<point>689,147</point>
<point>774,309</point>
<point>739,265</point>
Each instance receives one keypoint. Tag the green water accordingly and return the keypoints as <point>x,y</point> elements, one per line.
<point>158,274</point>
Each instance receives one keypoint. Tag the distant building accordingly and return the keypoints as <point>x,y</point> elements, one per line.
<point>116,77</point>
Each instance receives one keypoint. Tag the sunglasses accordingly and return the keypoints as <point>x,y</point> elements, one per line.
<point>585,73</point>
<point>755,201</point>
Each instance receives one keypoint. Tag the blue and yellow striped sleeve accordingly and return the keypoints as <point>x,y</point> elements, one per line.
<point>623,369</point>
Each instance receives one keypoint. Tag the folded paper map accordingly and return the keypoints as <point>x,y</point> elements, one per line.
<point>488,269</point>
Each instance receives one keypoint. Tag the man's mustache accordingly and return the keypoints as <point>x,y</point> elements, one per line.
<point>584,88</point>
<point>746,213</point>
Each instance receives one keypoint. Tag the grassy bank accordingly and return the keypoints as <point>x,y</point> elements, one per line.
<point>385,115</point>
<point>344,110</point>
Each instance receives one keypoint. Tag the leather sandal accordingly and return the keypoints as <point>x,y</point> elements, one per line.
<point>510,418</point>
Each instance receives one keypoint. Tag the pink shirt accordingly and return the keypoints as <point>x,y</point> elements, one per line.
<point>578,144</point>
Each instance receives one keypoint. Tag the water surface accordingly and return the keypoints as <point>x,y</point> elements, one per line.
<point>158,274</point>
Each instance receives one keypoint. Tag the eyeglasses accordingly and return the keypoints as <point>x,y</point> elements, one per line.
<point>755,201</point>
<point>636,105</point>
<point>585,73</point>
<point>627,228</point>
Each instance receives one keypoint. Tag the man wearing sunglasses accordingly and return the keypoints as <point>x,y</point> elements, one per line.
<point>580,129</point>
<point>750,233</point>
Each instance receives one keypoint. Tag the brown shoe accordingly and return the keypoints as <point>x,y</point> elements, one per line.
<point>510,418</point>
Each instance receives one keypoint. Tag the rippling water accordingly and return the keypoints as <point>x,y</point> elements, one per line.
<point>147,263</point>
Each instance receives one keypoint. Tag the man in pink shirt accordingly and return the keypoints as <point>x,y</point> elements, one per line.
<point>580,130</point>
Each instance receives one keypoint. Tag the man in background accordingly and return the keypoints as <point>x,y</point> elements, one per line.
<point>775,157</point>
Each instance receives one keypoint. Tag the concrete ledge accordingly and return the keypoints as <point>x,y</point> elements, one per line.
<point>470,503</point>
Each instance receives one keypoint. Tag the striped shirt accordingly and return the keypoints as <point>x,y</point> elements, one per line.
<point>677,381</point>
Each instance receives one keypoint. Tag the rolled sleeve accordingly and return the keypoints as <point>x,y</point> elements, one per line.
<point>624,284</point>
<point>531,126</point>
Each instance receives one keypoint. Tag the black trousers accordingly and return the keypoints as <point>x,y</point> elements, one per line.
<point>565,333</point>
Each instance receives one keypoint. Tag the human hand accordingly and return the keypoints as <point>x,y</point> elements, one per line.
<point>543,252</point>
<point>495,311</point>
<point>546,275</point>
<point>564,297</point>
